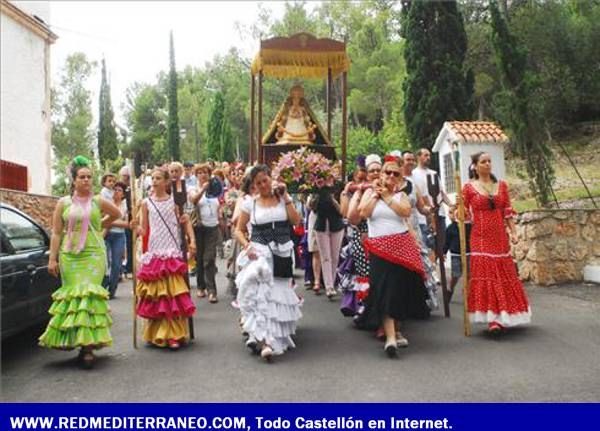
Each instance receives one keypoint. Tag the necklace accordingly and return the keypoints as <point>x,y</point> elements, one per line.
<point>488,187</point>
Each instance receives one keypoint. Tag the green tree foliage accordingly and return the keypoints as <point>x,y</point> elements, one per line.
<point>71,117</point>
<point>216,121</point>
<point>107,134</point>
<point>173,122</point>
<point>146,120</point>
<point>520,114</point>
<point>437,86</point>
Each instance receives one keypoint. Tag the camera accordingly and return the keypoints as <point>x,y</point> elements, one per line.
<point>215,188</point>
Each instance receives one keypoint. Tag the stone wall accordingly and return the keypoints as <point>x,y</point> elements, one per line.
<point>38,207</point>
<point>555,245</point>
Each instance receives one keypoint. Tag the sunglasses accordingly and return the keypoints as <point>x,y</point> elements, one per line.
<point>394,173</point>
<point>491,202</point>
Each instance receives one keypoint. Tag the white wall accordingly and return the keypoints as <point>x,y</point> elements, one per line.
<point>496,152</point>
<point>24,102</point>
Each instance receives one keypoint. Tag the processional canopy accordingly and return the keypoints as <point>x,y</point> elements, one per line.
<point>300,56</point>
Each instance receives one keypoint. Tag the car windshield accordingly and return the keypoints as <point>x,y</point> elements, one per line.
<point>20,232</point>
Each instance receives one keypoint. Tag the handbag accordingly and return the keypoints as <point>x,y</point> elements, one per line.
<point>282,266</point>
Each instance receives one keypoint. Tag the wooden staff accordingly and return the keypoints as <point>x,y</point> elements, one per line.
<point>463,242</point>
<point>180,197</point>
<point>433,187</point>
<point>134,238</point>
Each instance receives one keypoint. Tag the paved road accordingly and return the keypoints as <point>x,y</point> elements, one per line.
<point>557,358</point>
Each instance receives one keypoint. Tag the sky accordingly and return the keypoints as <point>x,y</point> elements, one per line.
<point>133,37</point>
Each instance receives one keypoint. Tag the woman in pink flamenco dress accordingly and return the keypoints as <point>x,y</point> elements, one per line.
<point>163,295</point>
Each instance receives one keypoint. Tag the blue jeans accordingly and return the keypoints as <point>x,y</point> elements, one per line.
<point>115,248</point>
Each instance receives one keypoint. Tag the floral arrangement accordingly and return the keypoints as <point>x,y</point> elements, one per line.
<point>306,171</point>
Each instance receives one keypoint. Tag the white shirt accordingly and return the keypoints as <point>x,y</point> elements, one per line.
<point>209,211</point>
<point>107,193</point>
<point>384,221</point>
<point>419,179</point>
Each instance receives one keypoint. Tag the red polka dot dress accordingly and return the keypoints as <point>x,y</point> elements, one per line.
<point>495,292</point>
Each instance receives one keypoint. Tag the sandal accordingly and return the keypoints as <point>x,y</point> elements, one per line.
<point>212,298</point>
<point>201,293</point>
<point>317,289</point>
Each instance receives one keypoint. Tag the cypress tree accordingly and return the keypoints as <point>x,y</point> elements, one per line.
<point>173,120</point>
<point>216,121</point>
<point>227,151</point>
<point>436,87</point>
<point>521,116</point>
<point>107,134</point>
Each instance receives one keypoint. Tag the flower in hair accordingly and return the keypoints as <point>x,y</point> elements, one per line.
<point>390,158</point>
<point>81,161</point>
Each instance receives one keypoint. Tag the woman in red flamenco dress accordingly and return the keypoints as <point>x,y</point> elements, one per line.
<point>496,295</point>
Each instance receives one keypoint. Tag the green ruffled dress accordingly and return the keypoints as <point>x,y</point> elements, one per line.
<point>80,311</point>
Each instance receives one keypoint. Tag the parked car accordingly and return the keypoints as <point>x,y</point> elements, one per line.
<point>26,285</point>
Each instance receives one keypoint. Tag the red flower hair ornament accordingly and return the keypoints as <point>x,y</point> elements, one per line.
<point>390,158</point>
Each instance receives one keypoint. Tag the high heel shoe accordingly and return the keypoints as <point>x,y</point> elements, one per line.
<point>317,289</point>
<point>330,292</point>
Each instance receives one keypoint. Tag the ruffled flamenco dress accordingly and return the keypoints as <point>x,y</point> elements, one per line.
<point>269,305</point>
<point>80,311</point>
<point>496,295</point>
<point>163,295</point>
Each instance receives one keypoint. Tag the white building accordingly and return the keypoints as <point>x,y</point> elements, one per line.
<point>468,137</point>
<point>25,127</point>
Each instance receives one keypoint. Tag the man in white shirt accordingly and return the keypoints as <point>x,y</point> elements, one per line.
<point>420,176</point>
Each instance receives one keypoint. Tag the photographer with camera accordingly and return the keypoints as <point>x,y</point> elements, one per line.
<point>206,199</point>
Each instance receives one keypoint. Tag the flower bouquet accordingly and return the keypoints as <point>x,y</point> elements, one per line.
<point>306,171</point>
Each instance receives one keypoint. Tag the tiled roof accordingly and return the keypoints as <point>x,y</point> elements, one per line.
<point>478,131</point>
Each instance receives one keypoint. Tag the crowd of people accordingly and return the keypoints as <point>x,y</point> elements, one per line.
<point>369,246</point>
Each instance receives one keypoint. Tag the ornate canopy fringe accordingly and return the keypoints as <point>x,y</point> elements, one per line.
<point>300,56</point>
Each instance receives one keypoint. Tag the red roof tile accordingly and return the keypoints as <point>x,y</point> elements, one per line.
<point>478,131</point>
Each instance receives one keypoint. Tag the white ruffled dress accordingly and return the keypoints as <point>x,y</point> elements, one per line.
<point>269,305</point>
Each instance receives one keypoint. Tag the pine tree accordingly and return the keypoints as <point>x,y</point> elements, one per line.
<point>436,87</point>
<point>173,120</point>
<point>107,134</point>
<point>520,112</point>
<point>216,121</point>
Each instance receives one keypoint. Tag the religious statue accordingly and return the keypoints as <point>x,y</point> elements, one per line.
<point>295,125</point>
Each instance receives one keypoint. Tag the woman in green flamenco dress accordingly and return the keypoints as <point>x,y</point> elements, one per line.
<point>80,312</point>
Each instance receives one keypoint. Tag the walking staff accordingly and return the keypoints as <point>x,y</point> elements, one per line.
<point>463,240</point>
<point>135,201</point>
<point>433,187</point>
<point>179,194</point>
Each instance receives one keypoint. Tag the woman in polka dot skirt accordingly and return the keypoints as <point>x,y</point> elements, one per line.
<point>396,275</point>
<point>496,295</point>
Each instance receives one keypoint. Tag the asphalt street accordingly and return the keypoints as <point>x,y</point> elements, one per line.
<point>557,358</point>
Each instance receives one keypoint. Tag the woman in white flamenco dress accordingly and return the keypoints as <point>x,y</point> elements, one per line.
<point>268,303</point>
